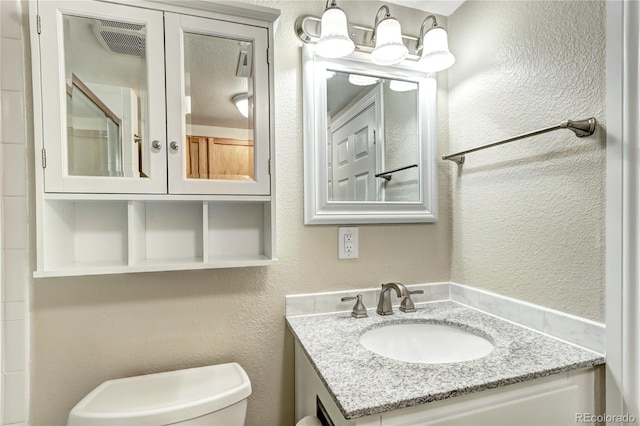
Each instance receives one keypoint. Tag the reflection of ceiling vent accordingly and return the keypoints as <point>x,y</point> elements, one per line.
<point>244,69</point>
<point>244,60</point>
<point>121,37</point>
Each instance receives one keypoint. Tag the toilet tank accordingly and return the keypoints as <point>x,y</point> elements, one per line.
<point>210,395</point>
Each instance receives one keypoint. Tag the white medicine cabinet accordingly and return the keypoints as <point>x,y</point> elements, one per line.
<point>154,133</point>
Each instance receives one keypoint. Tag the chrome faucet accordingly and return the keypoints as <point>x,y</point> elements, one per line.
<point>384,303</point>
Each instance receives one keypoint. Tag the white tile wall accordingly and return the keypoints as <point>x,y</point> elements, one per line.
<point>15,270</point>
<point>11,78</point>
<point>14,181</point>
<point>14,229</point>
<point>15,397</point>
<point>13,112</point>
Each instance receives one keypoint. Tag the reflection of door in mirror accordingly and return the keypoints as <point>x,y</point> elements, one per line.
<point>219,108</point>
<point>94,138</point>
<point>366,141</point>
<point>105,73</point>
<point>354,160</point>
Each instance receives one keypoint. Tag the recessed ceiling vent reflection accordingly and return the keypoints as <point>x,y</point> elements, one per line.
<point>244,60</point>
<point>121,37</point>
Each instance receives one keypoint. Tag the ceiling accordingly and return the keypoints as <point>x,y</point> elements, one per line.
<point>439,7</point>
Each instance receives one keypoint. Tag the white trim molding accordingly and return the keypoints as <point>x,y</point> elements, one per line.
<point>14,217</point>
<point>318,209</point>
<point>623,205</point>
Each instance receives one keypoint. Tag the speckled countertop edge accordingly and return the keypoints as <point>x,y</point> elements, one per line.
<point>363,383</point>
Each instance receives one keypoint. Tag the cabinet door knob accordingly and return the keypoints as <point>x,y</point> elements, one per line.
<point>174,145</point>
<point>156,145</point>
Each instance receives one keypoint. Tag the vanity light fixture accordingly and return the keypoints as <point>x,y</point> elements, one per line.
<point>435,47</point>
<point>334,35</point>
<point>387,36</point>
<point>241,102</point>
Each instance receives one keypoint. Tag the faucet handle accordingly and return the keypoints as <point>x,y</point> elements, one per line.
<point>359,311</point>
<point>407,304</point>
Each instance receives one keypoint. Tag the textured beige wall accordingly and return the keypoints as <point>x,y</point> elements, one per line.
<point>89,329</point>
<point>528,217</point>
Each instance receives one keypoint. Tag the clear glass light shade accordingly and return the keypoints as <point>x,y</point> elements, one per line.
<point>334,35</point>
<point>389,48</point>
<point>435,51</point>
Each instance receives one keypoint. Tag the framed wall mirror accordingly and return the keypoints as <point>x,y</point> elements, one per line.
<point>369,141</point>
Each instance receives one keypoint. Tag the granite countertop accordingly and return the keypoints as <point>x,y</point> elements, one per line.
<point>363,383</point>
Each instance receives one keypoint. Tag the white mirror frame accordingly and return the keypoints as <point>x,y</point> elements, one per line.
<point>318,210</point>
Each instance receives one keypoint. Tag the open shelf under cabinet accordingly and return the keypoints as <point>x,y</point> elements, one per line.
<point>121,236</point>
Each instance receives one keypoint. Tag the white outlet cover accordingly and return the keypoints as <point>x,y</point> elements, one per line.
<point>348,243</point>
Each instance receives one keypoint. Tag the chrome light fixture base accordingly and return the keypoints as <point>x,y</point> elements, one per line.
<point>308,31</point>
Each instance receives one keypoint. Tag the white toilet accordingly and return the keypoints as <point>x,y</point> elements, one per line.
<point>211,395</point>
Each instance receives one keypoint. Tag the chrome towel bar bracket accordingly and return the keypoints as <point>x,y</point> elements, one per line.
<point>581,128</point>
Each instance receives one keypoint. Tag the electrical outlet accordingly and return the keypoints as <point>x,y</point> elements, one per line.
<point>348,243</point>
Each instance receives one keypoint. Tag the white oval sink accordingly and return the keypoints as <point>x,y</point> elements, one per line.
<point>425,343</point>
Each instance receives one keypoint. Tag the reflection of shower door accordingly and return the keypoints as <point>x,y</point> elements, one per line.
<point>354,158</point>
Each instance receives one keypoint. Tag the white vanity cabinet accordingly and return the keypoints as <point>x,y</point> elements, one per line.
<point>154,135</point>
<point>554,400</point>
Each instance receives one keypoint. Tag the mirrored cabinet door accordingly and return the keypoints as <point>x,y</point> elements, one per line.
<point>217,106</point>
<point>104,101</point>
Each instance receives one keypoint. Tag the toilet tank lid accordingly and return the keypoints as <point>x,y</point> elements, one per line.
<point>163,398</point>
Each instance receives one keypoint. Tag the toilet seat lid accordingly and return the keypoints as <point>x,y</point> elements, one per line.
<point>163,398</point>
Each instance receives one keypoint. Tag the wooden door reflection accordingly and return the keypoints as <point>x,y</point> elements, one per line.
<point>219,158</point>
